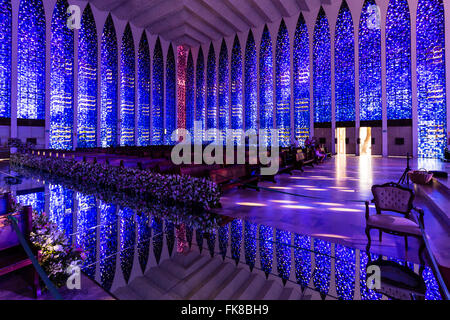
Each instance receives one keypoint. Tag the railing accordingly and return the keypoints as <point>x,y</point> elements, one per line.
<point>51,287</point>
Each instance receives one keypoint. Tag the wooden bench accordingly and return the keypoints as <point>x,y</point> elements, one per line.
<point>301,160</point>
<point>12,254</point>
<point>234,176</point>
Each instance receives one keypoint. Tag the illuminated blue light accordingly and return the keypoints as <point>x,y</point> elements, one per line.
<point>301,78</point>
<point>200,112</point>
<point>127,87</point>
<point>366,293</point>
<point>344,65</point>
<point>432,104</point>
<point>224,114</point>
<point>283,85</point>
<point>144,234</point>
<point>266,83</point>
<point>61,79</point>
<point>171,104</point>
<point>322,272</point>
<point>158,95</point>
<point>236,86</point>
<point>345,261</point>
<point>36,200</point>
<point>211,89</point>
<point>86,237</point>
<point>211,242</point>
<point>87,81</point>
<point>61,209</point>
<point>157,226</point>
<point>190,94</point>
<point>31,60</point>
<point>236,239</point>
<point>251,82</point>
<point>283,251</point>
<point>108,244</point>
<point>143,115</point>
<point>127,241</point>
<point>5,58</point>
<point>109,83</point>
<point>266,248</point>
<point>250,244</point>
<point>223,240</point>
<point>170,236</point>
<point>433,292</point>
<point>398,61</point>
<point>369,63</point>
<point>302,258</point>
<point>322,69</point>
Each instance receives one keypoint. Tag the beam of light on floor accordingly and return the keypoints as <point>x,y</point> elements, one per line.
<point>251,204</point>
<point>316,189</point>
<point>291,206</point>
<point>346,210</point>
<point>283,201</point>
<point>329,204</point>
<point>326,235</point>
<point>280,188</point>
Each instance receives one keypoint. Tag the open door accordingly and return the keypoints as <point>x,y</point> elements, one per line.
<point>340,138</point>
<point>365,138</point>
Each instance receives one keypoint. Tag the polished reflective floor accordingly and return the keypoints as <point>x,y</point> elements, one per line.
<point>311,244</point>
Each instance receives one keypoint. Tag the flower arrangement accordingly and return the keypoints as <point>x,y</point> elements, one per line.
<point>181,189</point>
<point>55,252</point>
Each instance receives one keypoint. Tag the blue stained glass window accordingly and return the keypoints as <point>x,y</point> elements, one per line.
<point>61,79</point>
<point>157,226</point>
<point>266,248</point>
<point>31,60</point>
<point>301,78</point>
<point>433,292</point>
<point>236,239</point>
<point>369,63</point>
<point>283,251</point>
<point>224,114</point>
<point>236,86</point>
<point>171,112</point>
<point>250,244</point>
<point>322,69</point>
<point>108,244</point>
<point>170,236</point>
<point>223,240</point>
<point>109,84</point>
<point>158,95</point>
<point>345,272</point>
<point>200,112</point>
<point>266,82</point>
<point>366,293</point>
<point>36,200</point>
<point>432,105</point>
<point>302,257</point>
<point>87,81</point>
<point>127,241</point>
<point>143,91</point>
<point>344,65</point>
<point>322,272</point>
<point>127,87</point>
<point>86,237</point>
<point>211,89</point>
<point>190,94</point>
<point>398,60</point>
<point>5,58</point>
<point>144,233</point>
<point>251,82</point>
<point>61,209</point>
<point>283,85</point>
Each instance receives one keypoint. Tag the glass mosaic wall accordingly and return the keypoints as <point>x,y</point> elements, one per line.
<point>431,109</point>
<point>322,69</point>
<point>143,120</point>
<point>369,63</point>
<point>36,200</point>
<point>190,94</point>
<point>344,65</point>
<point>236,86</point>
<point>31,60</point>
<point>171,104</point>
<point>301,78</point>
<point>266,82</point>
<point>87,81</point>
<point>127,87</point>
<point>182,54</point>
<point>224,71</point>
<point>398,60</point>
<point>109,83</point>
<point>158,95</point>
<point>86,236</point>
<point>61,79</point>
<point>200,112</point>
<point>61,208</point>
<point>251,82</point>
<point>283,85</point>
<point>211,89</point>
<point>5,58</point>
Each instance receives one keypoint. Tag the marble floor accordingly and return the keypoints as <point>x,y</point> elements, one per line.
<point>327,201</point>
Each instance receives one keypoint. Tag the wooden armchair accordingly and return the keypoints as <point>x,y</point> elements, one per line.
<point>12,255</point>
<point>394,198</point>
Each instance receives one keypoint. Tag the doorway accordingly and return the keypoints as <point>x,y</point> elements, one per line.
<point>340,140</point>
<point>365,138</point>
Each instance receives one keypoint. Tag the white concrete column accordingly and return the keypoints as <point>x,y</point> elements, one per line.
<point>76,34</point>
<point>447,67</point>
<point>14,66</point>
<point>48,8</point>
<point>414,129</point>
<point>383,12</point>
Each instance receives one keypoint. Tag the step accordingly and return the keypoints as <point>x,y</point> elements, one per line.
<point>125,293</point>
<point>254,284</point>
<point>238,279</point>
<point>270,291</point>
<point>184,287</point>
<point>146,289</point>
<point>290,293</point>
<point>163,279</point>
<point>182,270</point>
<point>209,285</point>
